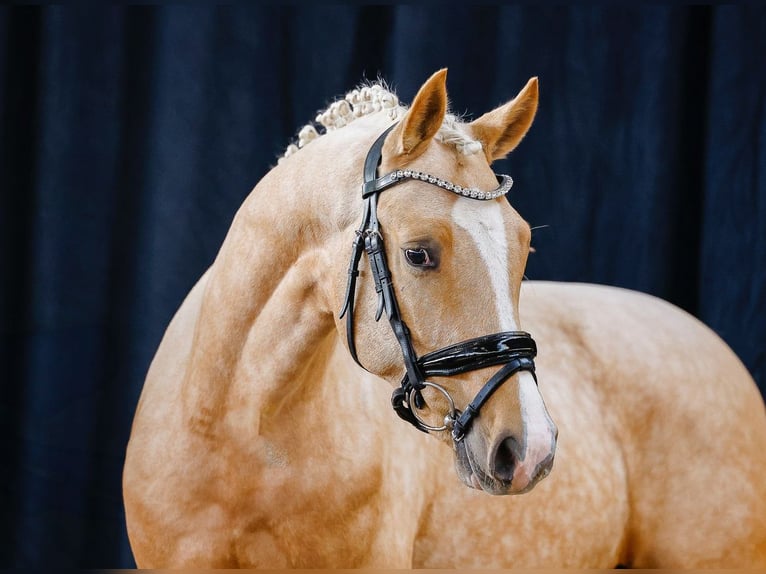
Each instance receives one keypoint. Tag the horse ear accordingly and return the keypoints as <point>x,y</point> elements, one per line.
<point>424,118</point>
<point>503,128</point>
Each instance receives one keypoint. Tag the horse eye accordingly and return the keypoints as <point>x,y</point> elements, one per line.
<point>418,257</point>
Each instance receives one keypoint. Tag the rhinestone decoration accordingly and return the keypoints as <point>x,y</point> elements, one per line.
<point>471,192</point>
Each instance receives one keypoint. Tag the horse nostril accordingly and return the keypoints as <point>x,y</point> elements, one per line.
<point>506,455</point>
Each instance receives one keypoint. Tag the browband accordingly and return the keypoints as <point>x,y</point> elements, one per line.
<point>504,184</point>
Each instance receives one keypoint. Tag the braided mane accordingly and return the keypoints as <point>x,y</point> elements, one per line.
<point>369,99</point>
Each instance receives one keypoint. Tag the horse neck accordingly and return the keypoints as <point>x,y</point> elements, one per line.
<point>267,303</point>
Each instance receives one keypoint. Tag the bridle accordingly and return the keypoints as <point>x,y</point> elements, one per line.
<point>515,350</point>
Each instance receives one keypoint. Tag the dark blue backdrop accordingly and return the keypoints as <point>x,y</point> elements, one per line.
<point>131,135</point>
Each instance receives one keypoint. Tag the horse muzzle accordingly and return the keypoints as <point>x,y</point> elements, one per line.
<point>510,463</point>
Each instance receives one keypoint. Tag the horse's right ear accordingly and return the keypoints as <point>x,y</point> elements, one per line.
<point>424,118</point>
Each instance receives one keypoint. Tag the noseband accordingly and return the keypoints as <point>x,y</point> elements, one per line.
<point>515,350</point>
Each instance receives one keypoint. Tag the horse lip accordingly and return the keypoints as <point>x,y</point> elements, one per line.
<point>491,485</point>
<point>463,465</point>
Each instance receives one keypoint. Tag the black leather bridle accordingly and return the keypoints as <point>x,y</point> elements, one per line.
<point>515,350</point>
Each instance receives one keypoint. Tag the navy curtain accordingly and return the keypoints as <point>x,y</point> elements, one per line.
<point>130,135</point>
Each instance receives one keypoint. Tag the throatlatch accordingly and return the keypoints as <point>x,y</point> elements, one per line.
<point>515,350</point>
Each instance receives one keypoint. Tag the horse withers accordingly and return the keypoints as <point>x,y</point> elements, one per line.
<point>381,256</point>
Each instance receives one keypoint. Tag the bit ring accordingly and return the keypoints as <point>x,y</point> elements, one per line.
<point>451,415</point>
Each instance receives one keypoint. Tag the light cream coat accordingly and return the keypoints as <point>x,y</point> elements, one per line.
<point>259,442</point>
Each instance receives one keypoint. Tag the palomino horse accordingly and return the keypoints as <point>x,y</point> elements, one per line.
<point>259,441</point>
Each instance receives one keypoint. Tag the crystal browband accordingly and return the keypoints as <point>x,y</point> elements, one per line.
<point>382,182</point>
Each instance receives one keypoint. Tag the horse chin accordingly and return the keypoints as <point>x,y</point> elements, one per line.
<point>474,476</point>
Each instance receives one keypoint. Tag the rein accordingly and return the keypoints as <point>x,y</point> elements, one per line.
<point>515,350</point>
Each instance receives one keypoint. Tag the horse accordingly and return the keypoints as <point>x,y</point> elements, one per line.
<point>264,438</point>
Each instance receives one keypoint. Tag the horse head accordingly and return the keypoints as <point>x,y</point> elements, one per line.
<point>452,266</point>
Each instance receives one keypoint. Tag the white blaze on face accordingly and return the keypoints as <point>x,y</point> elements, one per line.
<point>539,430</point>
<point>483,220</point>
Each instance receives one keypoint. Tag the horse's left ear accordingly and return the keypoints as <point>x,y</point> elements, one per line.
<point>503,128</point>
<point>423,119</point>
